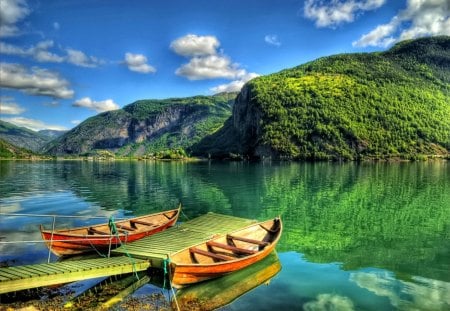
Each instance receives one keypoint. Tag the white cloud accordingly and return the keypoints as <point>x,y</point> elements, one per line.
<point>99,106</point>
<point>12,12</point>
<point>78,58</point>
<point>36,81</point>
<point>8,106</point>
<point>210,67</point>
<point>272,40</point>
<point>336,12</point>
<point>420,18</point>
<point>138,63</point>
<point>205,61</point>
<point>75,122</point>
<point>33,124</point>
<point>56,26</point>
<point>41,53</point>
<point>193,45</point>
<point>234,86</point>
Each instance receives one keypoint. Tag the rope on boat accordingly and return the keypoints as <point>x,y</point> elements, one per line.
<point>114,231</point>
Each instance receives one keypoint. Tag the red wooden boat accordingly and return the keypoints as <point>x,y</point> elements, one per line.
<point>225,254</point>
<point>105,236</point>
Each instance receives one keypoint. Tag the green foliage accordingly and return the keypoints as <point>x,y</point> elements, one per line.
<point>9,151</point>
<point>353,106</point>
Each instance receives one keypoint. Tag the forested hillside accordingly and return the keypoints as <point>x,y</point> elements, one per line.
<point>350,106</point>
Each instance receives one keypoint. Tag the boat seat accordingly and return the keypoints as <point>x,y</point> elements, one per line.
<point>133,222</point>
<point>231,248</point>
<point>210,254</point>
<point>95,231</point>
<point>125,227</point>
<point>251,241</point>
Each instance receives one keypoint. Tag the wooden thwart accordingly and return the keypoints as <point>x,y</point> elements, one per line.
<point>210,254</point>
<point>234,249</point>
<point>251,241</point>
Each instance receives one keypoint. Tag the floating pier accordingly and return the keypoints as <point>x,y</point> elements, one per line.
<point>133,257</point>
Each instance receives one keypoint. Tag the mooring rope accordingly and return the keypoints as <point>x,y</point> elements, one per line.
<point>114,231</point>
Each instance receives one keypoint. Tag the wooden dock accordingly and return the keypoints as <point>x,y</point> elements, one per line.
<point>147,252</point>
<point>31,276</point>
<point>161,246</point>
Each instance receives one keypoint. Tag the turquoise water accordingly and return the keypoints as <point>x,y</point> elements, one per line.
<point>371,236</point>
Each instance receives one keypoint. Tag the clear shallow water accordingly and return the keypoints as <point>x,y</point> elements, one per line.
<point>372,236</point>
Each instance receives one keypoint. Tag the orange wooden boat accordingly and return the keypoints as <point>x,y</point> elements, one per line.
<point>225,254</point>
<point>102,237</point>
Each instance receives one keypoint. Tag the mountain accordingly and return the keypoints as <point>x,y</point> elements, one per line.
<point>22,137</point>
<point>9,151</point>
<point>349,106</point>
<point>147,126</point>
<point>52,134</point>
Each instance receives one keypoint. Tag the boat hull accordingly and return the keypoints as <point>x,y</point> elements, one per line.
<point>67,244</point>
<point>183,274</point>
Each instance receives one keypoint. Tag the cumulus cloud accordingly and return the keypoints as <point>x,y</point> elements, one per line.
<point>234,86</point>
<point>8,106</point>
<point>335,12</point>
<point>33,124</point>
<point>138,63</point>
<point>75,122</point>
<point>272,40</point>
<point>210,67</point>
<point>205,61</point>
<point>12,12</point>
<point>98,106</point>
<point>36,81</point>
<point>420,18</point>
<point>193,45</point>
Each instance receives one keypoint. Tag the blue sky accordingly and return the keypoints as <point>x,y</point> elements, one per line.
<point>62,61</point>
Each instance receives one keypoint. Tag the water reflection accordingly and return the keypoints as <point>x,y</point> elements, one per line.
<point>394,217</point>
<point>216,293</point>
<point>417,294</point>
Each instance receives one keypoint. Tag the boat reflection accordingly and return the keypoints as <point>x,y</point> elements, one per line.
<point>216,293</point>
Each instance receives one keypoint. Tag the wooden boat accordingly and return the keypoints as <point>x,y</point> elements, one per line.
<point>225,254</point>
<point>216,293</point>
<point>106,236</point>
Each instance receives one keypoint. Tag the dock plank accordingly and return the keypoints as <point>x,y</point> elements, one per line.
<point>20,277</point>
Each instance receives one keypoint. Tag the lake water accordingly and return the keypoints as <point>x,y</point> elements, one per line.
<point>370,236</point>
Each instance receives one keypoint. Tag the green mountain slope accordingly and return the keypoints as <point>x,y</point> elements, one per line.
<point>22,137</point>
<point>9,151</point>
<point>147,126</point>
<point>350,106</point>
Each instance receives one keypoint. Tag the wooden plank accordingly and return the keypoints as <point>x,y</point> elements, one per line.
<point>121,266</point>
<point>251,241</point>
<point>231,248</point>
<point>210,254</point>
<point>24,273</point>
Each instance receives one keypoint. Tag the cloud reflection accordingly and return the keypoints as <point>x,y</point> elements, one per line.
<point>419,294</point>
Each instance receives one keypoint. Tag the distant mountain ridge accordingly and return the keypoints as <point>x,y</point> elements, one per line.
<point>349,106</point>
<point>147,126</point>
<point>23,137</point>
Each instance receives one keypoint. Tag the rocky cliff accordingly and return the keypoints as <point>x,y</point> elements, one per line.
<point>147,126</point>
